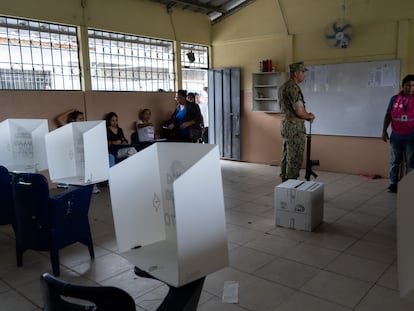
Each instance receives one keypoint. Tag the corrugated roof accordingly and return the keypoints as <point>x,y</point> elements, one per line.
<point>215,9</point>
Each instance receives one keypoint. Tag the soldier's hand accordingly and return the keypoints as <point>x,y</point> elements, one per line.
<point>311,117</point>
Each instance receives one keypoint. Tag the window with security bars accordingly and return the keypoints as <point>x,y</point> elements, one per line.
<point>194,64</point>
<point>121,62</point>
<point>24,79</point>
<point>38,55</point>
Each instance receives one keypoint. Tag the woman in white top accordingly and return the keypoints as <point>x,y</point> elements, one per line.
<point>145,128</point>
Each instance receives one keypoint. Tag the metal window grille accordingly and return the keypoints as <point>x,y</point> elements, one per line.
<point>38,55</point>
<point>194,56</point>
<point>121,62</point>
<point>194,63</point>
<point>24,79</point>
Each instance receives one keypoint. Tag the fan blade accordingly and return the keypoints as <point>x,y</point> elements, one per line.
<point>330,36</point>
<point>335,27</point>
<point>348,37</point>
<point>337,44</point>
<point>347,26</point>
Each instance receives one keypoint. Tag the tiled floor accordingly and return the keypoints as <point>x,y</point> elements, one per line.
<point>348,263</point>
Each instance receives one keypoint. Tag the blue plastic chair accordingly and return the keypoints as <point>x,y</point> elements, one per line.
<point>6,195</point>
<point>46,223</point>
<point>56,294</point>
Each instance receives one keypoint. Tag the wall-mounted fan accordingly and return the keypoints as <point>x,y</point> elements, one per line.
<point>338,34</point>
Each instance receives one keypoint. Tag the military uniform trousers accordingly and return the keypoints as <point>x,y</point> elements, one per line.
<point>293,136</point>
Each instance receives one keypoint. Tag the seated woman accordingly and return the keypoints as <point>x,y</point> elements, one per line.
<point>186,119</point>
<point>117,143</point>
<point>72,115</point>
<point>145,128</point>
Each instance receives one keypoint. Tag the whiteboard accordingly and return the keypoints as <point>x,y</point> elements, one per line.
<point>350,99</point>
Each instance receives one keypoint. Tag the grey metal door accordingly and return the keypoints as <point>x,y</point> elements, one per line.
<point>224,111</point>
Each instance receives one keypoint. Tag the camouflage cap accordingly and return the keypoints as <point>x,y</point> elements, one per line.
<point>300,66</point>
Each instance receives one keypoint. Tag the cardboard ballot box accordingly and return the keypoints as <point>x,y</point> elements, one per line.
<point>168,208</point>
<point>299,204</point>
<point>23,144</point>
<point>405,233</point>
<point>77,153</point>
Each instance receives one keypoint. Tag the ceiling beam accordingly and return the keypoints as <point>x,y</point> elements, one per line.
<point>199,5</point>
<point>232,11</point>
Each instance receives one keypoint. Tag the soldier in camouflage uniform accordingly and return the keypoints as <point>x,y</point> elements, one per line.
<point>292,107</point>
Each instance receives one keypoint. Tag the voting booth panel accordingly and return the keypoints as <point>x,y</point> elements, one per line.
<point>23,144</point>
<point>168,209</point>
<point>405,233</point>
<point>299,204</point>
<point>77,153</point>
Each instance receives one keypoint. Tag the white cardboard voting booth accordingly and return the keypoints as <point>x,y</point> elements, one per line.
<point>23,144</point>
<point>77,153</point>
<point>168,200</point>
<point>405,234</point>
<point>299,204</point>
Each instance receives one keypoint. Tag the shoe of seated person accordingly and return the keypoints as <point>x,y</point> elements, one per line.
<point>96,189</point>
<point>392,188</point>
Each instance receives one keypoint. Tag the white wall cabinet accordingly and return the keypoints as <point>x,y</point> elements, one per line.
<point>264,91</point>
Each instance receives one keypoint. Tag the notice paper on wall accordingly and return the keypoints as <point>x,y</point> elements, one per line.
<point>231,292</point>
